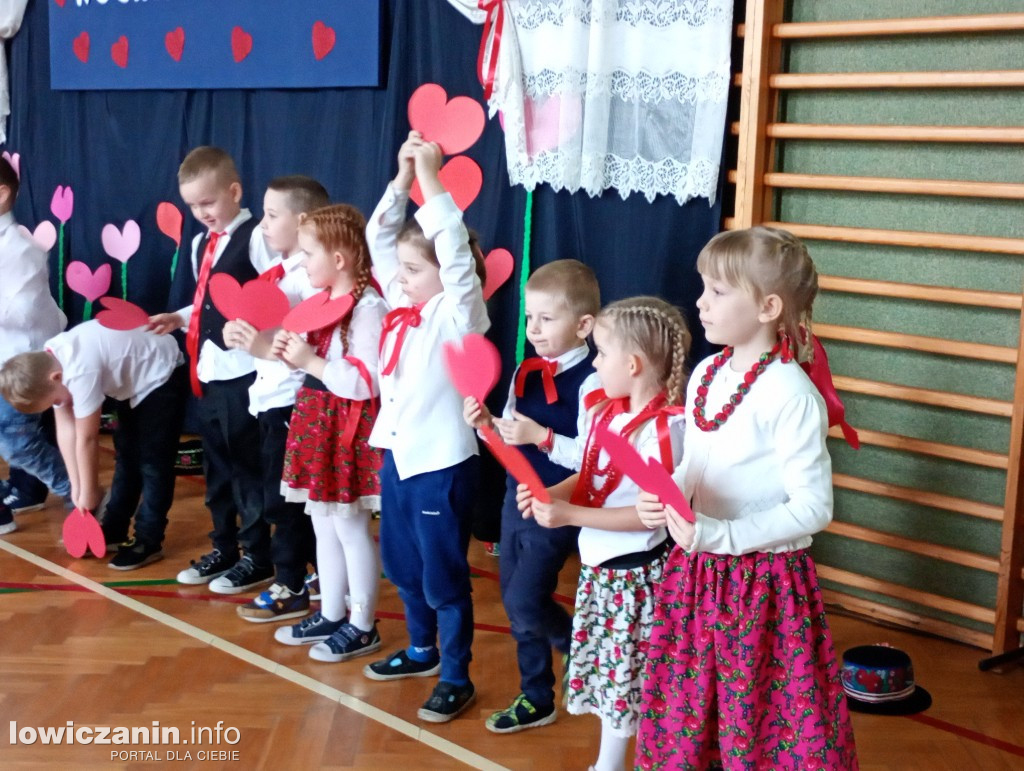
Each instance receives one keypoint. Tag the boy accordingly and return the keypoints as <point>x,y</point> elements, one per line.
<point>28,316</point>
<point>271,399</point>
<point>211,188</point>
<point>542,415</point>
<point>73,375</point>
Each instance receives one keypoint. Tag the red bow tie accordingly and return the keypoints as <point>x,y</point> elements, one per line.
<point>273,275</point>
<point>547,370</point>
<point>399,320</point>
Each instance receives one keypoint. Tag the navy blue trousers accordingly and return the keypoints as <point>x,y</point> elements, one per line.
<point>424,535</point>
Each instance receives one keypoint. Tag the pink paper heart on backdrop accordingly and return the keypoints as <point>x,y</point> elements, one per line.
<point>515,463</point>
<point>474,366</point>
<point>88,284</point>
<point>15,160</point>
<point>550,121</point>
<point>82,531</point>
<point>499,264</point>
<point>317,312</point>
<point>45,234</point>
<point>121,244</point>
<point>121,314</point>
<point>63,203</point>
<point>454,124</point>
<point>169,220</point>
<point>261,303</point>
<point>461,177</point>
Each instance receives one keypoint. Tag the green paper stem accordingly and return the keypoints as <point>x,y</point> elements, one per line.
<point>524,275</point>
<point>60,267</point>
<point>174,262</point>
<point>87,314</point>
<point>124,281</point>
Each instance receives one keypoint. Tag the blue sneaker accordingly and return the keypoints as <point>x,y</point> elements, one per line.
<point>310,630</point>
<point>19,503</point>
<point>278,603</point>
<point>348,642</point>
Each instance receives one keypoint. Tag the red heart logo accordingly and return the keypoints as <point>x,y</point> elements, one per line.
<point>241,43</point>
<point>174,42</point>
<point>80,45</point>
<point>59,2</point>
<point>121,314</point>
<point>119,52</point>
<point>499,264</point>
<point>474,368</point>
<point>81,531</point>
<point>323,40</point>
<point>461,177</point>
<point>261,303</point>
<point>317,312</point>
<point>455,124</point>
<point>516,464</point>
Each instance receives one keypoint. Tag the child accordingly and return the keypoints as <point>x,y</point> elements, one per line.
<point>541,414</point>
<point>141,371</point>
<point>211,188</point>
<point>329,464</point>
<point>28,317</point>
<point>741,669</point>
<point>271,399</point>
<point>641,347</point>
<point>430,460</point>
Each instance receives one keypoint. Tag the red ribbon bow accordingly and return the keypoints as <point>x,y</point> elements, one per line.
<point>820,373</point>
<point>272,275</point>
<point>547,370</point>
<point>490,43</point>
<point>355,410</point>
<point>399,320</point>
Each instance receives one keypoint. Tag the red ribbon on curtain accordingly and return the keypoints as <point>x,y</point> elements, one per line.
<point>490,44</point>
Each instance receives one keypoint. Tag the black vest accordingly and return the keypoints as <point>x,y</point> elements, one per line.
<point>234,261</point>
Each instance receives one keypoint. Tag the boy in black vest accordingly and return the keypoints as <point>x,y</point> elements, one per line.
<point>211,188</point>
<point>542,416</point>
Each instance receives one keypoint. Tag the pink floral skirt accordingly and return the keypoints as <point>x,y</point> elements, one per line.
<point>741,670</point>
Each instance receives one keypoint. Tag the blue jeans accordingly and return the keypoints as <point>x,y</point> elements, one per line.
<point>24,444</point>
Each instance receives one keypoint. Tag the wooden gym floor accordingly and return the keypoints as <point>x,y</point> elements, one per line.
<point>80,642</point>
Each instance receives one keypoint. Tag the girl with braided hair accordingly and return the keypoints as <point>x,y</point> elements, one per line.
<point>642,344</point>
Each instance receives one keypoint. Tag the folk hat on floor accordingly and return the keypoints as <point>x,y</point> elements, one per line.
<point>879,679</point>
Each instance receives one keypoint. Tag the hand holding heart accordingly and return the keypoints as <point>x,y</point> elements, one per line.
<point>520,430</point>
<point>475,414</point>
<point>292,350</point>
<point>241,334</point>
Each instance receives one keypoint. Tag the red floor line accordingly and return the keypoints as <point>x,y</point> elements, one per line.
<point>967,733</point>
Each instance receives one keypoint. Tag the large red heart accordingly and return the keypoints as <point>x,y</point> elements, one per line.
<point>515,463</point>
<point>241,43</point>
<point>474,366</point>
<point>174,42</point>
<point>80,45</point>
<point>317,312</point>
<point>499,264</point>
<point>455,124</point>
<point>261,303</point>
<point>323,40</point>
<point>461,177</point>
<point>119,52</point>
<point>121,314</point>
<point>81,531</point>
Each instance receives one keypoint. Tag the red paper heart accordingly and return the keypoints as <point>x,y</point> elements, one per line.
<point>174,42</point>
<point>81,531</point>
<point>461,177</point>
<point>119,52</point>
<point>80,45</point>
<point>121,314</point>
<point>59,2</point>
<point>261,303</point>
<point>169,220</point>
<point>323,40</point>
<point>474,366</point>
<point>241,43</point>
<point>499,264</point>
<point>455,124</point>
<point>317,312</point>
<point>515,463</point>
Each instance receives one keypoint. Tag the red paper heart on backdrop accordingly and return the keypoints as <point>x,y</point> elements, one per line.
<point>169,220</point>
<point>454,124</point>
<point>241,43</point>
<point>59,2</point>
<point>121,314</point>
<point>323,40</point>
<point>461,177</point>
<point>174,42</point>
<point>317,312</point>
<point>119,52</point>
<point>499,264</point>
<point>515,463</point>
<point>474,366</point>
<point>81,531</point>
<point>80,45</point>
<point>261,303</point>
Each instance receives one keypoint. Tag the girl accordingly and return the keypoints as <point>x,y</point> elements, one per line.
<point>741,671</point>
<point>641,346</point>
<point>433,280</point>
<point>328,463</point>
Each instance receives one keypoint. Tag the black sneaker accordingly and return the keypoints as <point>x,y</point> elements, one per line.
<point>209,566</point>
<point>19,503</point>
<point>447,702</point>
<point>399,665</point>
<point>134,554</point>
<point>312,629</point>
<point>7,523</point>
<point>244,575</point>
<point>347,643</point>
<point>114,539</point>
<point>520,716</point>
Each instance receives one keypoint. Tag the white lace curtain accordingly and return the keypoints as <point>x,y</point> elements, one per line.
<point>629,94</point>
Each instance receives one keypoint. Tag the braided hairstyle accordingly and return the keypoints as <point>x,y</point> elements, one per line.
<point>342,228</point>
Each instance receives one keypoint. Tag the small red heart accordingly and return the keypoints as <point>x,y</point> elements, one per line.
<point>454,124</point>
<point>80,45</point>
<point>499,264</point>
<point>121,314</point>
<point>323,40</point>
<point>317,312</point>
<point>474,367</point>
<point>119,52</point>
<point>241,43</point>
<point>174,42</point>
<point>81,531</point>
<point>59,2</point>
<point>516,464</point>
<point>261,303</point>
<point>461,177</point>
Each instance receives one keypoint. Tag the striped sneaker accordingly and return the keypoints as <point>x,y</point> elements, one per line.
<point>278,603</point>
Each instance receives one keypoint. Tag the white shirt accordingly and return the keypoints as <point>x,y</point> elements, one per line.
<point>28,313</point>
<point>216,363</point>
<point>421,412</point>
<point>125,365</point>
<point>763,480</point>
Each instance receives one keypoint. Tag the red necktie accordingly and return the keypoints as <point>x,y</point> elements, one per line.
<point>399,319</point>
<point>547,370</point>
<point>192,336</point>
<point>273,275</point>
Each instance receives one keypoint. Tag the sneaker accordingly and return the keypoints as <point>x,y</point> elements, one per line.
<point>209,567</point>
<point>447,702</point>
<point>21,504</point>
<point>520,716</point>
<point>399,665</point>
<point>134,554</point>
<point>310,630</point>
<point>114,539</point>
<point>347,643</point>
<point>7,523</point>
<point>493,548</point>
<point>313,586</point>
<point>244,575</point>
<point>277,603</point>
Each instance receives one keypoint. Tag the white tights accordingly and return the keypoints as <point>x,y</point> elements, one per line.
<point>612,755</point>
<point>347,564</point>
